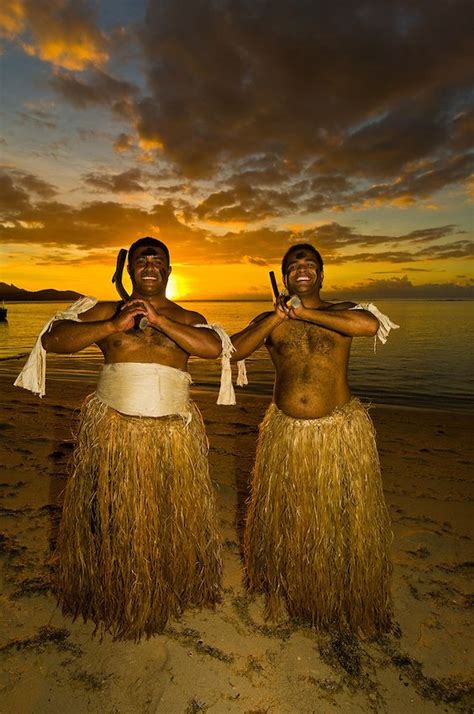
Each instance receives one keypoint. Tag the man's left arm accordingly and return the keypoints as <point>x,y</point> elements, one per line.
<point>346,321</point>
<point>193,340</point>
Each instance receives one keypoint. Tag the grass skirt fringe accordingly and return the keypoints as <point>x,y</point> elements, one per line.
<point>138,539</point>
<point>318,534</point>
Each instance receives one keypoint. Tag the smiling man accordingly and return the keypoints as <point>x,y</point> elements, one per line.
<point>317,533</point>
<point>138,537</point>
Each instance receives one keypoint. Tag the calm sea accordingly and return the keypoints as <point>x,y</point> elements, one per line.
<point>426,363</point>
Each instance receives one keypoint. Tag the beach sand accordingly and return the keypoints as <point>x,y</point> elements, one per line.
<point>230,660</point>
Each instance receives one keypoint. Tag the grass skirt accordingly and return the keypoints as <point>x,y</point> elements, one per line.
<point>138,539</point>
<point>318,534</point>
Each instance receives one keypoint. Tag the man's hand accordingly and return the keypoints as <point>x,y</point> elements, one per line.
<point>191,339</point>
<point>346,321</point>
<point>155,318</point>
<point>281,309</point>
<point>290,307</point>
<point>125,319</point>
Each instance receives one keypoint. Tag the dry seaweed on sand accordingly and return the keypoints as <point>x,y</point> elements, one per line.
<point>46,635</point>
<point>449,690</point>
<point>193,638</point>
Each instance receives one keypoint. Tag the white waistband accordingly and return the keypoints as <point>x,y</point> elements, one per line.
<point>144,389</point>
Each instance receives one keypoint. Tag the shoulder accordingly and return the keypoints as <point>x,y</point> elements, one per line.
<point>186,317</point>
<point>195,318</point>
<point>347,305</point>
<point>100,311</point>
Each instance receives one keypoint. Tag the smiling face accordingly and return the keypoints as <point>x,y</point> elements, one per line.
<point>149,270</point>
<point>304,274</point>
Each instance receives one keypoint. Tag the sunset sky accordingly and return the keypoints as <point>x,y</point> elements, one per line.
<point>232,129</point>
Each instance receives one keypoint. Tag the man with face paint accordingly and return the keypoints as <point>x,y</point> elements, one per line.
<point>138,538</point>
<point>317,533</point>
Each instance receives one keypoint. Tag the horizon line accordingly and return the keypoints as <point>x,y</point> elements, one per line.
<point>444,298</point>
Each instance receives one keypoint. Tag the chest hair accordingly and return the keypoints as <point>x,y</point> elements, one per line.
<point>303,337</point>
<point>144,338</point>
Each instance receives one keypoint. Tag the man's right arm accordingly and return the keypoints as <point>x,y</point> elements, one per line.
<point>254,335</point>
<point>101,321</point>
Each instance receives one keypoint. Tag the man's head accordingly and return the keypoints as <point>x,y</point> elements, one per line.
<point>298,248</point>
<point>302,268</point>
<point>149,266</point>
<point>150,242</point>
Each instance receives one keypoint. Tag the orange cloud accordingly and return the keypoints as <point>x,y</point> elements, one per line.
<point>150,143</point>
<point>123,143</point>
<point>63,53</point>
<point>12,17</point>
<point>62,33</point>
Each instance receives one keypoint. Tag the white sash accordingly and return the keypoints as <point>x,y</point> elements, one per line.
<point>144,389</point>
<point>33,374</point>
<point>385,323</point>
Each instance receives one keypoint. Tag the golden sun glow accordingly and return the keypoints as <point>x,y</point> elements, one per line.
<point>174,289</point>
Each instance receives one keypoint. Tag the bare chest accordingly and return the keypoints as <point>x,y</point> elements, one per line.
<point>141,341</point>
<point>303,338</point>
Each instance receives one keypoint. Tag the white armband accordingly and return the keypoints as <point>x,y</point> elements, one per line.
<point>385,323</point>
<point>226,391</point>
<point>33,374</point>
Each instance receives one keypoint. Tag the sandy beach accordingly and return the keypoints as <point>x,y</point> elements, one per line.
<point>230,660</point>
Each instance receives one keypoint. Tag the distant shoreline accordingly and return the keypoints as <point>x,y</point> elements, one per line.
<point>10,301</point>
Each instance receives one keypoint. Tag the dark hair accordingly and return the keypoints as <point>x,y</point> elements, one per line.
<point>300,246</point>
<point>148,240</point>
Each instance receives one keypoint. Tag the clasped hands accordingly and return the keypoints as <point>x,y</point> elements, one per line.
<point>125,319</point>
<point>289,307</point>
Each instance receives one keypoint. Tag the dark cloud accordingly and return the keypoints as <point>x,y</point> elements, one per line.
<point>405,270</point>
<point>109,224</point>
<point>332,237</point>
<point>91,134</point>
<point>95,257</point>
<point>38,118</point>
<point>124,182</point>
<point>424,235</point>
<point>413,184</point>
<point>254,260</point>
<point>331,107</point>
<point>361,90</point>
<point>338,244</point>
<point>95,225</point>
<point>459,249</point>
<point>36,185</point>
<point>123,143</point>
<point>243,203</point>
<point>19,188</point>
<point>13,198</point>
<point>402,288</point>
<point>177,190</point>
<point>463,130</point>
<point>263,170</point>
<point>96,87</point>
<point>411,131</point>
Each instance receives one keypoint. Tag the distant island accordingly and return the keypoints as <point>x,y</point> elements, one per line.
<point>10,293</point>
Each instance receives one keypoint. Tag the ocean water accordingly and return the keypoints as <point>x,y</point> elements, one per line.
<point>427,363</point>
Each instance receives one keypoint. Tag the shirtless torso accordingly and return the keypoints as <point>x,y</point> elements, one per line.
<point>309,345</point>
<point>170,338</point>
<point>148,345</point>
<point>310,367</point>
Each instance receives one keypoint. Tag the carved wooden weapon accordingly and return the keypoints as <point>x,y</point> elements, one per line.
<point>292,301</point>
<point>140,321</point>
